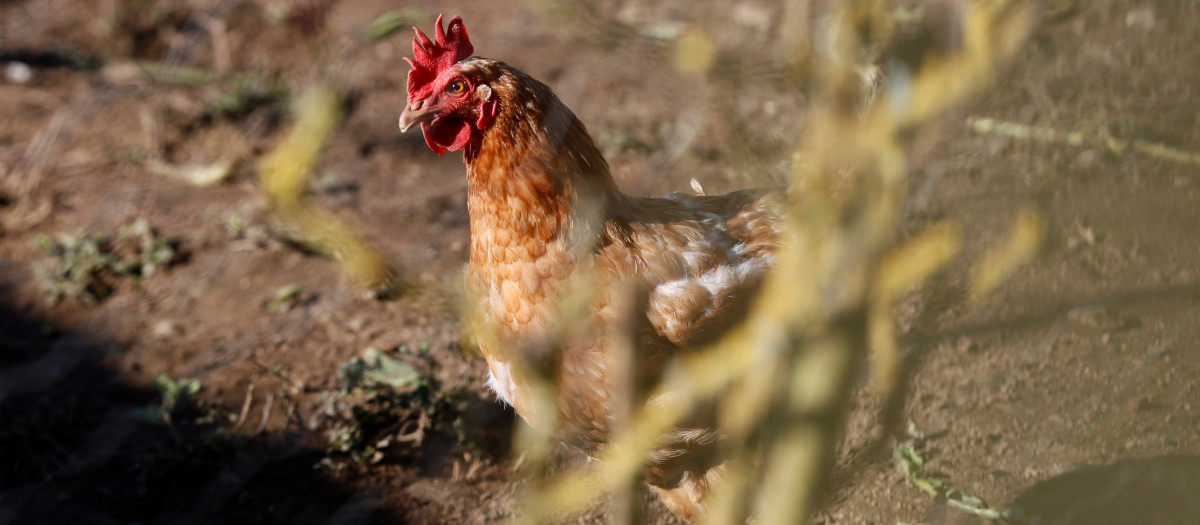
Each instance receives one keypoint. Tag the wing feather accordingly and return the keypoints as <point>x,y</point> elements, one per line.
<point>701,257</point>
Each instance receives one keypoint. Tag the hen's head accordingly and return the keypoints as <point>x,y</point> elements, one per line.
<point>452,103</point>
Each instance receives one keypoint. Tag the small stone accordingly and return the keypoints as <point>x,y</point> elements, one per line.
<point>428,491</point>
<point>964,345</point>
<point>1142,18</point>
<point>1087,234</point>
<point>18,72</point>
<point>1088,158</point>
<point>166,329</point>
<point>1096,318</point>
<point>122,74</point>
<point>753,16</point>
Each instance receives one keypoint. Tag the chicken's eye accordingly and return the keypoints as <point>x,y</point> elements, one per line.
<point>457,87</point>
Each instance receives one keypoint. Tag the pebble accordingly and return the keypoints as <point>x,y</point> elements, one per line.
<point>1142,18</point>
<point>427,491</point>
<point>18,72</point>
<point>1096,318</point>
<point>166,329</point>
<point>1088,158</point>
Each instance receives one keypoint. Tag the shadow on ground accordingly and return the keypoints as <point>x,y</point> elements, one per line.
<point>1152,491</point>
<point>78,447</point>
<point>1161,490</point>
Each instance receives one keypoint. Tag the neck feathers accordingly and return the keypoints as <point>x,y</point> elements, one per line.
<point>536,170</point>
<point>538,192</point>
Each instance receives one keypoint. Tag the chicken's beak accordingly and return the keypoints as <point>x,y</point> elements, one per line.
<point>415,113</point>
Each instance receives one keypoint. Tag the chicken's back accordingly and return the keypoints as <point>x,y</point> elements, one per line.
<point>701,258</point>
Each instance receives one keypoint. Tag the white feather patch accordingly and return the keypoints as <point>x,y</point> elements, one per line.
<point>501,382</point>
<point>719,279</point>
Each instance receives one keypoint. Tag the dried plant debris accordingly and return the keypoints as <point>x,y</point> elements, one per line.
<point>87,267</point>
<point>386,406</point>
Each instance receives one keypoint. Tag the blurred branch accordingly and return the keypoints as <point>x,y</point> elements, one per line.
<point>789,368</point>
<point>284,177</point>
<point>1018,248</point>
<point>900,270</point>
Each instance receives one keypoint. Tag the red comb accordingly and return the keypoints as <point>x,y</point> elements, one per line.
<point>430,58</point>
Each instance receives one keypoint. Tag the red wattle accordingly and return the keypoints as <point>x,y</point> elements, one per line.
<point>446,134</point>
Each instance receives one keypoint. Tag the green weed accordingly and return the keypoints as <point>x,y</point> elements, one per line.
<point>175,395</point>
<point>86,267</point>
<point>386,406</point>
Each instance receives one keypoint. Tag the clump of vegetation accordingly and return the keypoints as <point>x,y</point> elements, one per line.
<point>86,266</point>
<point>937,486</point>
<point>286,297</point>
<point>175,395</point>
<point>386,406</point>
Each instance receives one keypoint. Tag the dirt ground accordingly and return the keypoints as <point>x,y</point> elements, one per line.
<point>1073,391</point>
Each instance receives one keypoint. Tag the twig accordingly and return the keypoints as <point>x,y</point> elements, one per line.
<point>516,466</point>
<point>278,372</point>
<point>245,407</point>
<point>473,470</point>
<point>222,63</point>
<point>1014,130</point>
<point>266,414</point>
<point>182,49</point>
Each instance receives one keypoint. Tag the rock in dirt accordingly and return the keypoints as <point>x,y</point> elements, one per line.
<point>1100,319</point>
<point>166,329</point>
<point>18,73</point>
<point>429,491</point>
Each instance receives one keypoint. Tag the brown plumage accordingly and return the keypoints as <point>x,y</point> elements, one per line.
<point>548,224</point>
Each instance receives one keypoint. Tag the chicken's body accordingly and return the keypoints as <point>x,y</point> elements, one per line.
<point>548,226</point>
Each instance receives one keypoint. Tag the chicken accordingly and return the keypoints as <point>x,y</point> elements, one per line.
<point>547,221</point>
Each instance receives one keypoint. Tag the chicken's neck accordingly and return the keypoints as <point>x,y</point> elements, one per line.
<point>538,191</point>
